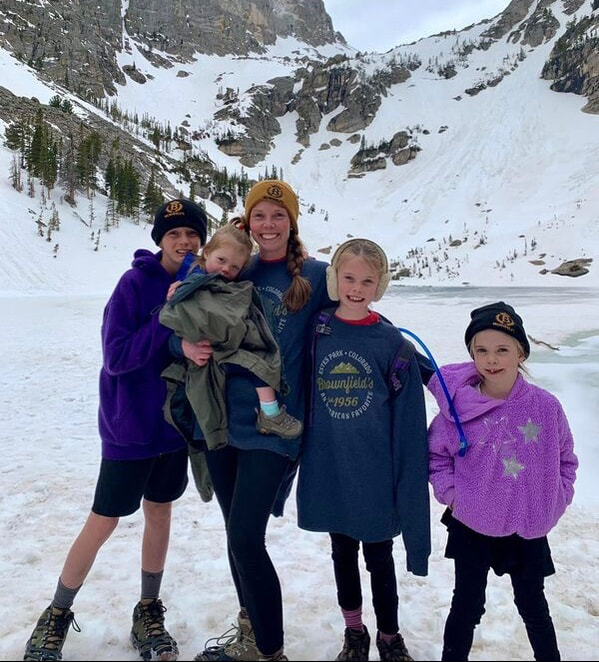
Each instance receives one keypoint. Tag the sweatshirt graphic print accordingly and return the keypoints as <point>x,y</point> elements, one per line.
<point>364,467</point>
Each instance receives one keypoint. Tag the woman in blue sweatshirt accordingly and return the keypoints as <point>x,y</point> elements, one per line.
<point>144,459</point>
<point>250,472</point>
<point>363,474</point>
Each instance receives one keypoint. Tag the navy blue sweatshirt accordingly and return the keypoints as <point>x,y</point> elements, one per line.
<point>363,471</point>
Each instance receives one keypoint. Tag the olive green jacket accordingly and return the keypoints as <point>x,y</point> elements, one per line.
<point>231,316</point>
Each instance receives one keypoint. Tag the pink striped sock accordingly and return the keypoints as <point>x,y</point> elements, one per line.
<point>387,638</point>
<point>353,619</point>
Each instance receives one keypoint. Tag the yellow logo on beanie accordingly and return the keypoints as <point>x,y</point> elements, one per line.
<point>173,208</point>
<point>505,321</point>
<point>275,192</point>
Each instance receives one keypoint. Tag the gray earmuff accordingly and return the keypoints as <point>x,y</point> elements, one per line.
<point>331,272</point>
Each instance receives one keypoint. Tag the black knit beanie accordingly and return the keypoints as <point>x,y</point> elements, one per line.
<point>179,213</point>
<point>499,316</point>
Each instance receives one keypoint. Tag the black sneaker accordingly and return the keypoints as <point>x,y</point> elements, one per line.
<point>148,635</point>
<point>394,650</point>
<point>356,645</point>
<point>47,639</point>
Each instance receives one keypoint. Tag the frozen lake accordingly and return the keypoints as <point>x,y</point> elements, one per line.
<point>51,455</point>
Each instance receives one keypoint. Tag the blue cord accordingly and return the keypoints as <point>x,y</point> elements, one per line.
<point>454,413</point>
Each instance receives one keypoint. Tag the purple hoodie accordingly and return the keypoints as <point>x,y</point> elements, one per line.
<point>135,350</point>
<point>518,473</point>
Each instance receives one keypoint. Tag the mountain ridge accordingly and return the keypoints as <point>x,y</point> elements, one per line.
<point>418,136</point>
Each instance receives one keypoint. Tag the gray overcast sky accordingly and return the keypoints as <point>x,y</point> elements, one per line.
<point>378,25</point>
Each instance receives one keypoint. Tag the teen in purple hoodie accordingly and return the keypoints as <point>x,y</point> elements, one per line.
<point>510,486</point>
<point>144,459</point>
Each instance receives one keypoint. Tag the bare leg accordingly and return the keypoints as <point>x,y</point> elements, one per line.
<point>95,532</point>
<point>266,394</point>
<point>157,531</point>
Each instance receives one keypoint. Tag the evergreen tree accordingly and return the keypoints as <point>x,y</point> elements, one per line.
<point>92,214</point>
<point>42,156</point>
<point>153,197</point>
<point>15,175</point>
<point>17,136</point>
<point>68,170</point>
<point>88,156</point>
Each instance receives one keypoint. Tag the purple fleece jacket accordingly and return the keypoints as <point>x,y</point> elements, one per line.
<point>518,473</point>
<point>135,349</point>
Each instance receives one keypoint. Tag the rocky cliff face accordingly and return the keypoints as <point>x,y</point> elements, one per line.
<point>75,43</point>
<point>71,43</point>
<point>573,64</point>
<point>316,90</point>
<point>221,27</point>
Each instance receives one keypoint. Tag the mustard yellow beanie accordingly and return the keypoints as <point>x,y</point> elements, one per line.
<point>276,191</point>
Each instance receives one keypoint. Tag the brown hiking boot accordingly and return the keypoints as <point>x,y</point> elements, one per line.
<point>284,425</point>
<point>47,639</point>
<point>394,650</point>
<point>236,634</point>
<point>356,645</point>
<point>148,634</point>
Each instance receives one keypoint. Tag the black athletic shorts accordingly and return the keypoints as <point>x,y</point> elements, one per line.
<point>122,483</point>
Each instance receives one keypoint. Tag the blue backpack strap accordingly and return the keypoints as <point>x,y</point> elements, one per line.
<point>401,361</point>
<point>322,328</point>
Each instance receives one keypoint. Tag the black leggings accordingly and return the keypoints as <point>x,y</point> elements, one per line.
<point>526,561</point>
<point>381,566</point>
<point>246,485</point>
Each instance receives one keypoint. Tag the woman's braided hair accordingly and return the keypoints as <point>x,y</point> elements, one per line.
<point>300,290</point>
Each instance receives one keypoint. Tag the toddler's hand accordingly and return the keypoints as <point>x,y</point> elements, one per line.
<point>199,352</point>
<point>172,289</point>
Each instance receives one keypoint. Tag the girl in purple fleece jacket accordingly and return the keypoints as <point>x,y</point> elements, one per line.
<point>509,488</point>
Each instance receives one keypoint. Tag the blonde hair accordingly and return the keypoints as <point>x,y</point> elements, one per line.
<point>298,293</point>
<point>226,234</point>
<point>370,252</point>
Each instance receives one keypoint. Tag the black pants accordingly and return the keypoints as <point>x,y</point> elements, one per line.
<point>526,561</point>
<point>381,566</point>
<point>246,485</point>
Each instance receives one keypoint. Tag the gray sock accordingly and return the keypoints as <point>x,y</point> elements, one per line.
<point>64,597</point>
<point>150,584</point>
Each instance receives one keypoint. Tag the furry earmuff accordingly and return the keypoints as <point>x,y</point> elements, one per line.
<point>332,287</point>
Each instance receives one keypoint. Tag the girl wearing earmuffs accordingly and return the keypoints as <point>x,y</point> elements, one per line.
<point>363,474</point>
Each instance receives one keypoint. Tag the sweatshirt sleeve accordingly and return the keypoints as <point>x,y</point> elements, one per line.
<point>441,461</point>
<point>409,432</point>
<point>131,336</point>
<point>568,459</point>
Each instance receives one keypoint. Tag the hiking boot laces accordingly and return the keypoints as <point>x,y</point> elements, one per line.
<point>148,634</point>
<point>283,425</point>
<point>49,635</point>
<point>241,631</point>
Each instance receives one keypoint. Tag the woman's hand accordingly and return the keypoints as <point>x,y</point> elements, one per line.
<point>198,352</point>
